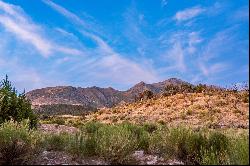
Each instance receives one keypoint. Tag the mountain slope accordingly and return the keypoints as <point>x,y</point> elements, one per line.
<point>220,109</point>
<point>93,96</point>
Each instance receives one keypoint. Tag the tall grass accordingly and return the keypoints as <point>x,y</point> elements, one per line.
<point>18,142</point>
<point>117,143</point>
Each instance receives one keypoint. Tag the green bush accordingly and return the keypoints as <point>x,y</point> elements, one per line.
<point>18,143</point>
<point>76,144</point>
<point>191,147</point>
<point>115,144</point>
<point>209,157</point>
<point>139,134</point>
<point>82,144</point>
<point>91,127</point>
<point>196,141</point>
<point>14,106</point>
<point>160,144</point>
<point>57,142</point>
<point>218,141</point>
<point>149,127</point>
<point>59,121</point>
<point>239,150</point>
<point>179,138</point>
<point>200,88</point>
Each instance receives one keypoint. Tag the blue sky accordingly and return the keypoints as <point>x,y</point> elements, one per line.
<point>114,43</point>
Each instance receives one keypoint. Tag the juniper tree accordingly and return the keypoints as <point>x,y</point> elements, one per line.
<point>13,105</point>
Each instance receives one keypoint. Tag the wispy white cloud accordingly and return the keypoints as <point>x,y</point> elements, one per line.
<point>220,44</point>
<point>111,64</point>
<point>164,3</point>
<point>134,23</point>
<point>193,39</point>
<point>178,48</point>
<point>213,69</point>
<point>24,75</point>
<point>176,55</point>
<point>15,21</point>
<point>119,69</point>
<point>26,35</point>
<point>216,45</point>
<point>88,26</point>
<point>188,14</point>
<point>65,33</point>
<point>65,12</point>
<point>241,14</point>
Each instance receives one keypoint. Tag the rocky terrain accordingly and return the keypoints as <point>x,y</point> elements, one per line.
<point>214,110</point>
<point>92,97</point>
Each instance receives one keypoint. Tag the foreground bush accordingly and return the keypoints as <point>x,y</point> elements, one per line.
<point>239,150</point>
<point>117,143</point>
<point>17,142</point>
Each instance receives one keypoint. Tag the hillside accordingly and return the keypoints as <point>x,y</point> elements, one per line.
<point>93,96</point>
<point>214,110</point>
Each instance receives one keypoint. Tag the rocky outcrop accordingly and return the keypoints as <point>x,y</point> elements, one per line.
<point>93,96</point>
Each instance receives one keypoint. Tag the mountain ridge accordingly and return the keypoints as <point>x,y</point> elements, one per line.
<point>94,96</point>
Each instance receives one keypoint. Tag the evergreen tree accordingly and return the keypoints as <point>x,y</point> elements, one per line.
<point>13,105</point>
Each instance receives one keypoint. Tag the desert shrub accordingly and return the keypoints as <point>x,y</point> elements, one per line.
<point>82,144</point>
<point>179,138</point>
<point>245,97</point>
<point>201,147</point>
<point>191,147</point>
<point>59,121</point>
<point>218,141</point>
<point>239,150</point>
<point>139,133</point>
<point>91,127</point>
<point>13,105</point>
<point>161,122</point>
<point>170,90</point>
<point>143,141</point>
<point>76,144</point>
<point>212,149</point>
<point>160,144</point>
<point>90,145</point>
<point>149,127</point>
<point>17,143</point>
<point>196,141</point>
<point>115,144</point>
<point>146,94</point>
<point>200,88</point>
<point>209,158</point>
<point>54,120</point>
<point>87,138</point>
<point>58,142</point>
<point>189,112</point>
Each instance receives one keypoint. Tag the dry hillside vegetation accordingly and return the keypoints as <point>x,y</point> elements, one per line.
<point>214,110</point>
<point>91,97</point>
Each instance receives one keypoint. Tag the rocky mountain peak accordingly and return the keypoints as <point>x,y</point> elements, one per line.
<point>94,96</point>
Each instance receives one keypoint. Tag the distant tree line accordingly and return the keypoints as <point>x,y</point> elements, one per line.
<point>62,109</point>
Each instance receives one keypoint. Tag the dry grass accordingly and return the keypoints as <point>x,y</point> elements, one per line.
<point>217,110</point>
